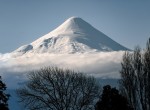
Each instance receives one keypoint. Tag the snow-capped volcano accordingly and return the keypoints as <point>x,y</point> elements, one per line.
<point>73,36</point>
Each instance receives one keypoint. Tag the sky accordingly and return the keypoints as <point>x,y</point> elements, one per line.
<point>23,21</point>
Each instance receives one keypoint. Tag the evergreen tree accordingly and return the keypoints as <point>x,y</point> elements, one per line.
<point>3,97</point>
<point>112,100</point>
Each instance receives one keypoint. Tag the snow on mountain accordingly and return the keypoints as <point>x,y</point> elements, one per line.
<point>73,36</point>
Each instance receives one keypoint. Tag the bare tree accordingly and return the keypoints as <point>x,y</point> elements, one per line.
<point>135,77</point>
<point>57,89</point>
<point>127,83</point>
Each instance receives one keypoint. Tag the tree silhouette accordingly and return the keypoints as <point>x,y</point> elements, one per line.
<point>3,97</point>
<point>112,100</point>
<point>58,89</point>
<point>135,77</point>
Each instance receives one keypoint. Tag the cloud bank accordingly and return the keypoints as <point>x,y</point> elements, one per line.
<point>103,64</point>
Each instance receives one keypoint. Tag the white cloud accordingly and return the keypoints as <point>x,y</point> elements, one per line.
<point>103,64</point>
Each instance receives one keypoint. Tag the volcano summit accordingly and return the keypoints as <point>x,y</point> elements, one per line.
<point>73,36</point>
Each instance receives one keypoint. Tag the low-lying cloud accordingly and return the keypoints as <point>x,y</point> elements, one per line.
<point>103,64</point>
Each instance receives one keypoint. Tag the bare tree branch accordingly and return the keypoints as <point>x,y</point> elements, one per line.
<point>57,89</point>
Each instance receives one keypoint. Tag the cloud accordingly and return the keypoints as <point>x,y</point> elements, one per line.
<point>103,64</point>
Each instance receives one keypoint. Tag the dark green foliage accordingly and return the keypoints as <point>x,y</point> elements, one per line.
<point>3,97</point>
<point>112,100</point>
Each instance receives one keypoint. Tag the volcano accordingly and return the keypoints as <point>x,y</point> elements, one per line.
<point>73,36</point>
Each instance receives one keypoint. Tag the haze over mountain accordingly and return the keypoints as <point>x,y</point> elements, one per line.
<point>73,36</point>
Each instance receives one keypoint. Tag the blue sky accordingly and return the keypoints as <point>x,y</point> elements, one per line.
<point>23,21</point>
